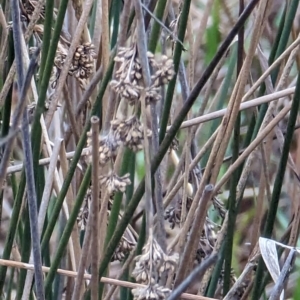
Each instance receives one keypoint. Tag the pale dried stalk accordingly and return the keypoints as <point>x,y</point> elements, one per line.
<point>87,95</point>
<point>68,61</point>
<point>3,23</point>
<point>239,282</point>
<point>243,106</point>
<point>202,27</point>
<point>274,65</point>
<point>68,206</point>
<point>83,260</point>
<point>178,164</point>
<point>188,250</point>
<point>259,211</point>
<point>237,94</point>
<point>127,284</point>
<point>272,107</point>
<point>45,161</point>
<point>70,113</point>
<point>252,146</point>
<point>97,27</point>
<point>228,11</point>
<point>4,38</point>
<point>186,177</point>
<point>217,154</point>
<point>191,66</point>
<point>221,235</point>
<point>95,208</point>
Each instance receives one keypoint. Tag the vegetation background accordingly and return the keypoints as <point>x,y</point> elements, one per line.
<point>149,149</point>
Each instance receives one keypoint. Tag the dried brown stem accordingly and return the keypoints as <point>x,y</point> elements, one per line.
<point>20,265</point>
<point>95,208</point>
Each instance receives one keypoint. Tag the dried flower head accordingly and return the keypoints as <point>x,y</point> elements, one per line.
<point>207,241</point>
<point>108,147</point>
<point>130,68</point>
<point>164,72</point>
<point>83,215</point>
<point>123,249</point>
<point>127,90</point>
<point>114,183</point>
<point>152,263</point>
<point>130,132</point>
<point>83,61</point>
<point>152,94</point>
<point>173,214</point>
<point>82,64</point>
<point>151,292</point>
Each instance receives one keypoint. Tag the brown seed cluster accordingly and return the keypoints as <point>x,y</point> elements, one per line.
<point>108,147</point>
<point>83,215</point>
<point>130,132</point>
<point>128,82</point>
<point>148,269</point>
<point>82,63</point>
<point>123,249</point>
<point>207,241</point>
<point>152,292</point>
<point>115,183</point>
<point>173,214</point>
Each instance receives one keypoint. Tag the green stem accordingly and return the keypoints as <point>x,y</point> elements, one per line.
<point>68,230</point>
<point>116,6</point>
<point>177,55</point>
<point>46,37</point>
<point>154,37</point>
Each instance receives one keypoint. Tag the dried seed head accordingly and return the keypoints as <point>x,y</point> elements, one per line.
<point>123,249</point>
<point>207,241</point>
<point>127,57</point>
<point>114,183</point>
<point>108,147</point>
<point>173,214</point>
<point>164,73</point>
<point>82,64</point>
<point>153,259</point>
<point>130,132</point>
<point>151,292</point>
<point>152,60</point>
<point>84,211</point>
<point>152,95</point>
<point>152,255</point>
<point>170,262</point>
<point>175,144</point>
<point>127,90</point>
